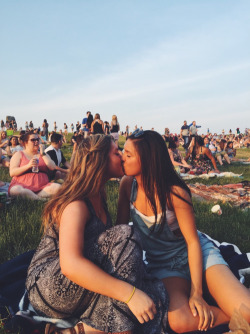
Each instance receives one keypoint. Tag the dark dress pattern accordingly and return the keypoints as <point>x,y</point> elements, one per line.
<point>117,250</point>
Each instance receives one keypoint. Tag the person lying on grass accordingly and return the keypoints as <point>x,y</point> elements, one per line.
<point>160,206</point>
<point>86,270</point>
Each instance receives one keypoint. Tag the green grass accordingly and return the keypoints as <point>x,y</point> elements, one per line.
<point>20,221</point>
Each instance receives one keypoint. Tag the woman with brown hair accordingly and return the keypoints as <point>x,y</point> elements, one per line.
<point>97,126</point>
<point>160,206</point>
<point>29,170</point>
<point>85,270</point>
<point>221,152</point>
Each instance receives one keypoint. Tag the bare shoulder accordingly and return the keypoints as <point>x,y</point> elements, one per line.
<point>180,196</point>
<point>77,209</point>
<point>126,185</point>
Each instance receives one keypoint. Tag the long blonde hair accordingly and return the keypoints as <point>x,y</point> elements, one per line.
<point>85,178</point>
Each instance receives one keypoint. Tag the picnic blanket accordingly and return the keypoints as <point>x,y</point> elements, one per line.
<point>20,314</point>
<point>236,194</point>
<point>186,176</point>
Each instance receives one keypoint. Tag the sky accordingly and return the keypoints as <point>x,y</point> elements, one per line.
<point>152,63</point>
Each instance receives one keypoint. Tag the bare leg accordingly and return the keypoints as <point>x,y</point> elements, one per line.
<point>226,157</point>
<point>90,330</point>
<point>227,291</point>
<point>180,317</point>
<point>49,190</point>
<point>20,191</point>
<point>219,160</point>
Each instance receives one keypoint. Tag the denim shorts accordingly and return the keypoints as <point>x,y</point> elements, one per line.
<point>178,265</point>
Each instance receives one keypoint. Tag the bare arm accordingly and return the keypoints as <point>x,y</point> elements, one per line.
<point>15,169</point>
<point>84,272</point>
<point>210,156</point>
<point>123,211</point>
<point>185,216</point>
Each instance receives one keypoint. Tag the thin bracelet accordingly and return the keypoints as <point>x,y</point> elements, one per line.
<point>130,296</point>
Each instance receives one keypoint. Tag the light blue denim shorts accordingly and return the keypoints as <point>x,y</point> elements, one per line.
<point>178,265</point>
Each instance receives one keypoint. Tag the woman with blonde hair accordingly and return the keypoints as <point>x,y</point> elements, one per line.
<point>85,270</point>
<point>115,128</point>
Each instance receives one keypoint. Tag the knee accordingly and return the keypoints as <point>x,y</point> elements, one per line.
<point>54,187</point>
<point>181,322</point>
<point>16,190</point>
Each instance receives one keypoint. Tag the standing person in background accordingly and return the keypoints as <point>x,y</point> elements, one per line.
<point>115,128</point>
<point>26,126</point>
<point>89,121</point>
<point>85,125</point>
<point>193,129</point>
<point>97,126</point>
<point>65,126</point>
<point>45,128</point>
<point>127,131</point>
<point>185,134</point>
<point>31,126</point>
<point>55,126</point>
<point>72,127</point>
<point>2,125</point>
<point>106,128</point>
<point>78,126</point>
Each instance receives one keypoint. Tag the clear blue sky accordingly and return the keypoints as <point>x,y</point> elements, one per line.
<point>152,63</point>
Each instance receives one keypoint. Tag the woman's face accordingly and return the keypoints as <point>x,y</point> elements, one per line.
<point>3,135</point>
<point>131,159</point>
<point>33,143</point>
<point>14,141</point>
<point>206,141</point>
<point>115,162</point>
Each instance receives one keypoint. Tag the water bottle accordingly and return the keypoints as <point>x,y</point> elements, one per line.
<point>35,169</point>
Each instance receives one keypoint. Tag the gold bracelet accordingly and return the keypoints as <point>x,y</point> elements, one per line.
<point>130,296</point>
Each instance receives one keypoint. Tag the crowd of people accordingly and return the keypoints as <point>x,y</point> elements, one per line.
<point>88,273</point>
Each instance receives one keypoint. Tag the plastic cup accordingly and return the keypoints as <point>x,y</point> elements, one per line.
<point>216,209</point>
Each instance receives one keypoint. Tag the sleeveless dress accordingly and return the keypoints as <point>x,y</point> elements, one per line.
<point>202,163</point>
<point>117,250</point>
<point>33,181</point>
<point>166,253</point>
<point>97,128</point>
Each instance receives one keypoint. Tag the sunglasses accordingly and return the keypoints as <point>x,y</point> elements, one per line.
<point>34,139</point>
<point>137,133</point>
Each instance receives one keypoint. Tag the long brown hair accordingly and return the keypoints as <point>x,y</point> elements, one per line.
<point>158,174</point>
<point>85,178</point>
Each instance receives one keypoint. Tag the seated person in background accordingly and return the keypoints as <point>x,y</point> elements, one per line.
<point>63,137</point>
<point>4,160</point>
<point>3,141</point>
<point>180,165</point>
<point>28,180</point>
<point>55,153</point>
<point>13,146</point>
<point>231,152</point>
<point>202,160</point>
<point>212,146</point>
<point>221,152</point>
<point>73,138</point>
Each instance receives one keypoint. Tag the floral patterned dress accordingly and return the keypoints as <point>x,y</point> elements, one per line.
<point>117,250</point>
